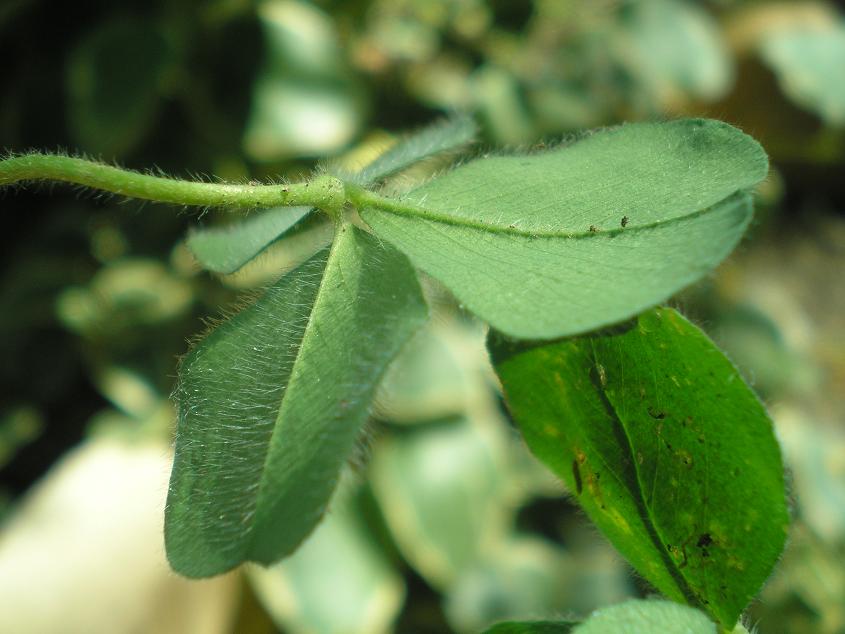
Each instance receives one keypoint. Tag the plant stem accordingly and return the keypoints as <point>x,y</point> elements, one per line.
<point>324,191</point>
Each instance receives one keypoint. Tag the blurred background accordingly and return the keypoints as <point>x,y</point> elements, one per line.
<point>444,522</point>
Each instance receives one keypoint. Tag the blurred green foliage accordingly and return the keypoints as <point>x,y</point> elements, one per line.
<point>447,523</point>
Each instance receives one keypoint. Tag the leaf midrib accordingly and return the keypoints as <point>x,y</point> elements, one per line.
<point>309,325</point>
<point>654,533</point>
<point>365,199</point>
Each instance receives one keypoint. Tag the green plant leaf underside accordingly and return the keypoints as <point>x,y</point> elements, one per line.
<point>446,136</point>
<point>535,244</point>
<point>667,450</point>
<point>227,249</point>
<point>646,617</point>
<point>272,401</point>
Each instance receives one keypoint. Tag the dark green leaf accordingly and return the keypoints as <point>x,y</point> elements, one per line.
<point>449,135</point>
<point>225,250</point>
<point>272,401</point>
<point>115,79</point>
<point>535,244</point>
<point>806,62</point>
<point>305,101</point>
<point>665,447</point>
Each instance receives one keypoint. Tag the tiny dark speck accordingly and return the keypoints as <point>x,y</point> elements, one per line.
<point>704,540</point>
<point>624,222</point>
<point>656,413</point>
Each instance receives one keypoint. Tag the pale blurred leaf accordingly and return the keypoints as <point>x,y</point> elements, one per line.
<point>337,581</point>
<point>439,487</point>
<point>678,50</point>
<point>115,78</point>
<point>524,577</point>
<point>810,64</point>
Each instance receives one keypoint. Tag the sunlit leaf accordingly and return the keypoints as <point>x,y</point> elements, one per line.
<point>304,101</point>
<point>809,64</point>
<point>440,488</point>
<point>669,452</point>
<point>521,577</point>
<point>430,379</point>
<point>103,505</point>
<point>272,401</point>
<point>536,246</point>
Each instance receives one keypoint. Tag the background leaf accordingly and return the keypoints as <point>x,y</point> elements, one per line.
<point>675,49</point>
<point>668,451</point>
<point>271,402</point>
<point>227,249</point>
<point>366,592</point>
<point>304,99</point>
<point>448,135</point>
<point>535,244</point>
<point>806,61</point>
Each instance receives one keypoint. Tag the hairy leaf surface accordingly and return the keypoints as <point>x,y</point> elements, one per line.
<point>647,617</point>
<point>447,136</point>
<point>227,249</point>
<point>536,246</point>
<point>271,403</point>
<point>668,451</point>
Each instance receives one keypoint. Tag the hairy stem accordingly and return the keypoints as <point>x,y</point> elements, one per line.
<point>324,192</point>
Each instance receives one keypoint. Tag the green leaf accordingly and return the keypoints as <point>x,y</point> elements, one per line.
<point>806,61</point>
<point>305,101</point>
<point>646,617</point>
<point>511,236</point>
<point>677,50</point>
<point>225,250</point>
<point>520,577</point>
<point>434,376</point>
<point>272,401</point>
<point>115,79</point>
<point>446,136</point>
<point>366,591</point>
<point>669,452</point>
